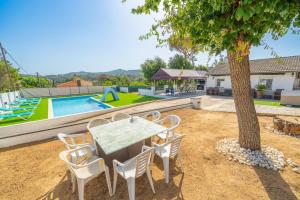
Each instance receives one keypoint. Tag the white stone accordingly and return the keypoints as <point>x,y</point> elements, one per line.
<point>268,158</point>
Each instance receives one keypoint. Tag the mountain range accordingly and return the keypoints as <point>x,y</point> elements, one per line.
<point>94,75</point>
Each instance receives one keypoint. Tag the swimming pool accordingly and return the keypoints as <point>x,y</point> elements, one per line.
<point>75,105</point>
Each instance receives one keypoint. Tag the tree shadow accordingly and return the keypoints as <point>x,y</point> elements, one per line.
<point>276,187</point>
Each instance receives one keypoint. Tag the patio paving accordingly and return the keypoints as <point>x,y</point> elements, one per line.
<point>226,104</point>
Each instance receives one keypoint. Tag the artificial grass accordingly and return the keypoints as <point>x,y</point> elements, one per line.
<point>41,112</point>
<point>267,102</point>
<point>127,99</point>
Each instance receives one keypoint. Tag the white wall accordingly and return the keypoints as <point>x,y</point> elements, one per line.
<point>212,81</point>
<point>124,89</point>
<point>281,81</point>
<point>62,91</point>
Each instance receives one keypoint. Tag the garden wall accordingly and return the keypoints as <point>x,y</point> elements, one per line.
<point>65,91</point>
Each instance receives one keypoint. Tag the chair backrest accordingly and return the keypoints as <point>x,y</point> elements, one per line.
<point>69,140</point>
<point>80,158</point>
<point>154,115</point>
<point>171,121</point>
<point>175,145</point>
<point>96,122</point>
<point>120,116</point>
<point>143,161</point>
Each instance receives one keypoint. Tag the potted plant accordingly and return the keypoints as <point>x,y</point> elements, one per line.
<point>260,88</point>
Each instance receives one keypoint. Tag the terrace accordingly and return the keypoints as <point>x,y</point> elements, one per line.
<point>207,174</point>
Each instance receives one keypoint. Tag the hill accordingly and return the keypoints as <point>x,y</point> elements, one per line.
<point>93,75</point>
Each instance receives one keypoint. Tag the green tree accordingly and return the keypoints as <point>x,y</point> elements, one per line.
<point>6,82</point>
<point>201,68</point>
<point>33,82</point>
<point>184,45</point>
<point>179,62</point>
<point>151,66</point>
<point>233,26</point>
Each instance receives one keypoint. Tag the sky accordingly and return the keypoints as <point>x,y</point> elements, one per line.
<point>60,36</point>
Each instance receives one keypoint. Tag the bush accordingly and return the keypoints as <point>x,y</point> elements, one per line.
<point>260,87</point>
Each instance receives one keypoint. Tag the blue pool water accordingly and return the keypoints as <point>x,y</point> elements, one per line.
<point>75,105</point>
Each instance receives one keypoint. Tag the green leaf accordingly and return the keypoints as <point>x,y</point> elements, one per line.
<point>242,13</point>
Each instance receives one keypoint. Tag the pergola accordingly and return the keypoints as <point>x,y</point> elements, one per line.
<point>179,74</point>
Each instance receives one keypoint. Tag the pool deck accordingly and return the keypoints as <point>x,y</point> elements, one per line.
<point>226,104</point>
<point>50,109</point>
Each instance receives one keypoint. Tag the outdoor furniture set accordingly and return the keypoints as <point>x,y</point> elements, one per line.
<point>121,145</point>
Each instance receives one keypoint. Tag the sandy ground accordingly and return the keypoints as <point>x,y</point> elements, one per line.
<point>35,172</point>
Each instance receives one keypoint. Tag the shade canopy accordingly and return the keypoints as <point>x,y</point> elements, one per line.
<point>178,74</point>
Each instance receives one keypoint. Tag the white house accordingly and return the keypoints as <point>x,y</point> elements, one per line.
<point>275,73</point>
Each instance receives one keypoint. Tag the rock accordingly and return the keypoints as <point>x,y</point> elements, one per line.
<point>268,157</point>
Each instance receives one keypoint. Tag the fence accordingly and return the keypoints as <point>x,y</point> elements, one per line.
<point>8,97</point>
<point>147,92</point>
<point>66,91</point>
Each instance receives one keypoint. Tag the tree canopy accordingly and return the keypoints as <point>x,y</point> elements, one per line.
<point>151,66</point>
<point>179,62</point>
<point>223,25</point>
<point>34,82</point>
<point>183,44</point>
<point>5,83</point>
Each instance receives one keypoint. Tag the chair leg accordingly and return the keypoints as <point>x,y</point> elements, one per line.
<point>166,168</point>
<point>73,180</point>
<point>80,184</point>
<point>108,180</point>
<point>131,188</point>
<point>150,180</point>
<point>115,181</point>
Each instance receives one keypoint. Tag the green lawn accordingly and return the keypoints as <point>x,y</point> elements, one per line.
<point>267,102</point>
<point>41,112</point>
<point>127,99</point>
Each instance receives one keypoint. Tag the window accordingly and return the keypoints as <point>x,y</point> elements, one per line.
<point>267,83</point>
<point>220,82</point>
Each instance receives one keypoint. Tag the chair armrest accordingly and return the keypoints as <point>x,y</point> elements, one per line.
<point>82,147</point>
<point>117,163</point>
<point>145,148</point>
<point>155,144</point>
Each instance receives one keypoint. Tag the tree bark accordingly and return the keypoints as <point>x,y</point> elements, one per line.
<point>249,131</point>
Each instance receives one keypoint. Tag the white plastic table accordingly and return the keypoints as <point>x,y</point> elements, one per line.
<point>121,134</point>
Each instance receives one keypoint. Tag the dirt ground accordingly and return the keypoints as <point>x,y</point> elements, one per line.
<point>35,172</point>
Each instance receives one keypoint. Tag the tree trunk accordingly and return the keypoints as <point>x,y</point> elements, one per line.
<point>249,132</point>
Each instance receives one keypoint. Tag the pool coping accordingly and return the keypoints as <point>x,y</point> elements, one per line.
<point>50,109</point>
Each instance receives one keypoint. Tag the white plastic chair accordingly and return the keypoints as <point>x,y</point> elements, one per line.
<point>171,122</point>
<point>154,116</point>
<point>120,116</point>
<point>134,168</point>
<point>97,122</point>
<point>169,151</point>
<point>70,142</point>
<point>93,123</point>
<point>89,168</point>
